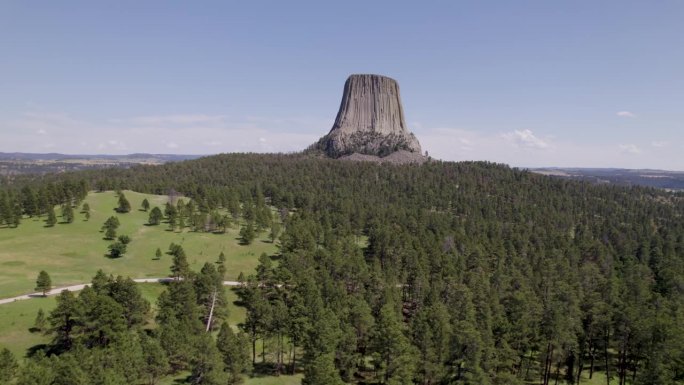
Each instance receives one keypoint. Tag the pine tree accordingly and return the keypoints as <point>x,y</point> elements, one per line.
<point>180,267</point>
<point>67,213</point>
<point>222,265</point>
<point>51,217</point>
<point>29,201</point>
<point>211,295</point>
<point>127,293</point>
<point>179,317</point>
<point>8,366</point>
<point>207,364</point>
<point>103,321</point>
<point>101,282</point>
<point>65,320</point>
<point>321,370</point>
<point>156,363</point>
<point>171,215</point>
<point>68,371</point>
<point>275,230</point>
<point>40,323</point>
<point>43,283</point>
<point>110,226</point>
<point>431,330</point>
<point>395,357</point>
<point>155,216</point>
<point>145,204</point>
<point>235,352</point>
<point>117,249</point>
<point>247,233</point>
<point>36,371</point>
<point>158,254</point>
<point>124,204</point>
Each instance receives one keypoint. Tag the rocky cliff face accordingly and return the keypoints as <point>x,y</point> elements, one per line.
<point>370,120</point>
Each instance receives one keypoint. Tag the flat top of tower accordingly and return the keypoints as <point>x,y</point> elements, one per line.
<point>370,76</point>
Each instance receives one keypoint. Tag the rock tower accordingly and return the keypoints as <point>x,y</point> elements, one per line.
<point>370,120</point>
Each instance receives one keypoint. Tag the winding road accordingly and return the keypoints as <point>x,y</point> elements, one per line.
<point>78,287</point>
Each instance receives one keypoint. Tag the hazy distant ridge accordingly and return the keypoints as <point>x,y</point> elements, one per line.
<point>56,156</point>
<point>669,180</point>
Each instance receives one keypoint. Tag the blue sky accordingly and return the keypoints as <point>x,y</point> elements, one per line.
<point>528,83</point>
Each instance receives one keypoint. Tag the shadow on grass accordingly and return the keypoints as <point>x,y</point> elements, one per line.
<point>185,380</point>
<point>270,369</point>
<point>35,349</point>
<point>238,302</point>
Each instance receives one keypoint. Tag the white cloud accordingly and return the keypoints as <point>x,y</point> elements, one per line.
<point>630,148</point>
<point>525,138</point>
<point>41,131</point>
<point>213,143</point>
<point>660,143</point>
<point>171,145</point>
<point>113,145</point>
<point>625,114</point>
<point>466,144</point>
<point>450,144</point>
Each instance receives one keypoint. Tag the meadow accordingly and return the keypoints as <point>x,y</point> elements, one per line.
<point>72,253</point>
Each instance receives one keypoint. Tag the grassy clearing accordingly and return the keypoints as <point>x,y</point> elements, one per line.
<point>272,380</point>
<point>72,253</point>
<point>15,320</point>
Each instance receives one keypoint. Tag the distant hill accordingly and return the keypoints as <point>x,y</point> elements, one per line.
<point>160,158</point>
<point>15,163</point>
<point>668,180</point>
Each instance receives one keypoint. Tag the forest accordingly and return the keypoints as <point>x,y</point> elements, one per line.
<point>440,273</point>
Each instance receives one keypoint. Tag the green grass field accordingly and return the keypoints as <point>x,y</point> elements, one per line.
<point>72,253</point>
<point>15,320</point>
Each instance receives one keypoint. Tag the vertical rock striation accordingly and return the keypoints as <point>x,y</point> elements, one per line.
<point>370,120</point>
